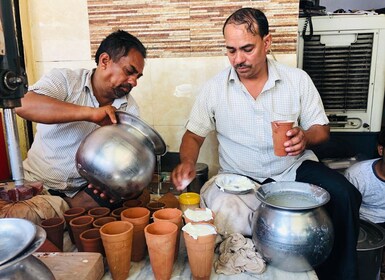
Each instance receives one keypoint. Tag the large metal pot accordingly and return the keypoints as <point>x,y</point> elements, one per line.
<point>291,229</point>
<point>120,158</point>
<point>371,240</point>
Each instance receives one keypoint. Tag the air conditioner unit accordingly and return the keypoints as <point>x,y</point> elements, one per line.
<point>345,57</point>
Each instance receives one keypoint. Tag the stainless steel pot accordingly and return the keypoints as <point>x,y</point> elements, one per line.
<point>120,158</point>
<point>371,240</point>
<point>291,229</point>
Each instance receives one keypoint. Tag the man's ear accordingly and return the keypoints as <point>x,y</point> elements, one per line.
<point>380,150</point>
<point>267,42</point>
<point>104,59</point>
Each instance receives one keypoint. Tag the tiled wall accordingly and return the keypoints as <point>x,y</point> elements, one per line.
<point>172,28</point>
<point>184,41</point>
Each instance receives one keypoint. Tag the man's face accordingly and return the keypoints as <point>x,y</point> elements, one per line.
<point>246,52</point>
<point>124,73</point>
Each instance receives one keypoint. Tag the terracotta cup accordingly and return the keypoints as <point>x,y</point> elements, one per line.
<point>117,242</point>
<point>161,240</point>
<point>132,203</point>
<point>99,222</point>
<point>197,210</point>
<point>91,241</point>
<point>99,212</point>
<point>154,206</point>
<point>279,129</point>
<point>69,215</point>
<point>173,215</point>
<point>140,218</point>
<point>78,225</point>
<point>117,212</point>
<point>200,254</point>
<point>54,228</point>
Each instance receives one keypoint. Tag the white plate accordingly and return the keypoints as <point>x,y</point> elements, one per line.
<point>15,236</point>
<point>235,184</point>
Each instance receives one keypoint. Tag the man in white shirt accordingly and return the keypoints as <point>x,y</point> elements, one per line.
<point>239,104</point>
<point>68,104</point>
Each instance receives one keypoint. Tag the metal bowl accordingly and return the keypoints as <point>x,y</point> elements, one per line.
<point>15,236</point>
<point>120,158</point>
<point>291,229</point>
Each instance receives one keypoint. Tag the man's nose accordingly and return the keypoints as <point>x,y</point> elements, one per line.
<point>239,58</point>
<point>132,80</point>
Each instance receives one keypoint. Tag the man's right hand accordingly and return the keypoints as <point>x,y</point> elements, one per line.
<point>183,174</point>
<point>104,115</point>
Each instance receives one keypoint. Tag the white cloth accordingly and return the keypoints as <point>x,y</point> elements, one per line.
<point>237,254</point>
<point>51,158</point>
<point>243,125</point>
<point>233,213</point>
<point>363,176</point>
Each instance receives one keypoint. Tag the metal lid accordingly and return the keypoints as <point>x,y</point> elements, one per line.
<point>152,135</point>
<point>201,167</point>
<point>370,237</point>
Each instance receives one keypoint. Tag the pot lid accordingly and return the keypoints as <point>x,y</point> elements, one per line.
<point>370,237</point>
<point>152,135</point>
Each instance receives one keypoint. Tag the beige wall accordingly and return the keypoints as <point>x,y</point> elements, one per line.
<point>57,34</point>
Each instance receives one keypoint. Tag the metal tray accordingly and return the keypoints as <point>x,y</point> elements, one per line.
<point>15,236</point>
<point>36,243</point>
<point>30,268</point>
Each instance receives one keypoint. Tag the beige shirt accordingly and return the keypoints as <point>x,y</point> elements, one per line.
<point>243,124</point>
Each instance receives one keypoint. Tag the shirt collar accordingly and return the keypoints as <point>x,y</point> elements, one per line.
<point>272,79</point>
<point>117,102</point>
<point>88,83</point>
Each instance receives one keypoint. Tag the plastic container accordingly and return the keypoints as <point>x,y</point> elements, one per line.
<point>189,200</point>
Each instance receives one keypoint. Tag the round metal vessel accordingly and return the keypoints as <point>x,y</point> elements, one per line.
<point>291,229</point>
<point>120,158</point>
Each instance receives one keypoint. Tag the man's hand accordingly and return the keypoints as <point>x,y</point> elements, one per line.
<point>183,174</point>
<point>102,194</point>
<point>297,142</point>
<point>304,139</point>
<point>104,115</point>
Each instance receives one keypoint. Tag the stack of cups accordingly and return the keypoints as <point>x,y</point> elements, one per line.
<point>161,241</point>
<point>140,218</point>
<point>99,212</point>
<point>173,215</point>
<point>54,228</point>
<point>91,241</point>
<point>78,225</point>
<point>69,215</point>
<point>200,245</point>
<point>117,242</point>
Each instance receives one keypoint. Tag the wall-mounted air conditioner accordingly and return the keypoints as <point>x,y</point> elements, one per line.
<point>345,57</point>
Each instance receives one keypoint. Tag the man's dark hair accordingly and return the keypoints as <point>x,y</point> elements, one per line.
<point>250,17</point>
<point>118,44</point>
<point>381,138</point>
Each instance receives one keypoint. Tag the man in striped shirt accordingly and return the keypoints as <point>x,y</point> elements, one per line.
<point>69,104</point>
